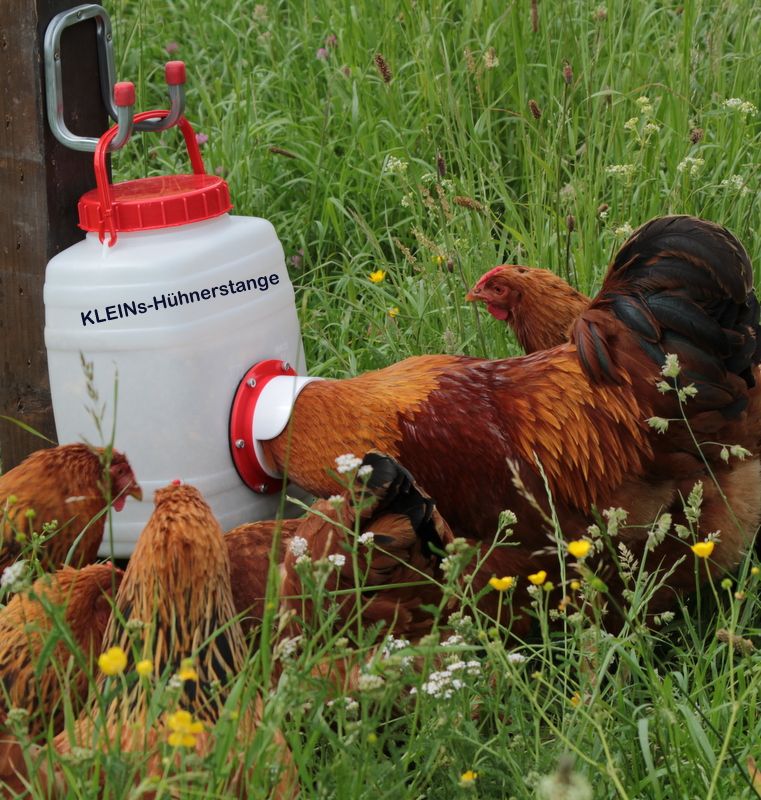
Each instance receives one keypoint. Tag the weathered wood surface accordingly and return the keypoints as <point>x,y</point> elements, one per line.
<point>40,183</point>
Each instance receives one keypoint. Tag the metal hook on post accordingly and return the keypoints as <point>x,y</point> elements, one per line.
<point>175,76</point>
<point>115,95</point>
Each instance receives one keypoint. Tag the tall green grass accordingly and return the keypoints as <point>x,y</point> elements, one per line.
<point>305,141</point>
<point>433,173</point>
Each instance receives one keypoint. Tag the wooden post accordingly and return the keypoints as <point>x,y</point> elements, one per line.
<point>40,183</point>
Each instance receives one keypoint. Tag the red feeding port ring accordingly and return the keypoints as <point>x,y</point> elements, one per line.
<point>149,203</point>
<point>242,447</point>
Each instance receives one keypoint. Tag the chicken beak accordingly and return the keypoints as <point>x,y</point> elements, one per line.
<point>136,491</point>
<point>474,294</point>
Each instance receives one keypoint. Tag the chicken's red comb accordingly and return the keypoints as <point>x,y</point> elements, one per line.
<point>176,482</point>
<point>485,277</point>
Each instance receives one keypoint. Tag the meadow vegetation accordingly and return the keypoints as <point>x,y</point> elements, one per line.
<point>401,149</point>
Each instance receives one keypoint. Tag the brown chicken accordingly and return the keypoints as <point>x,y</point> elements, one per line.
<point>176,590</point>
<point>481,436</point>
<point>69,600</point>
<point>250,547</point>
<point>542,308</point>
<point>398,539</point>
<point>68,484</point>
<point>539,306</point>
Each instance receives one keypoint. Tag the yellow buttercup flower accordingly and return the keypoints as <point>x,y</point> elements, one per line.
<point>755,571</point>
<point>144,668</point>
<point>580,548</point>
<point>113,661</point>
<point>702,549</point>
<point>184,729</point>
<point>393,312</point>
<point>575,585</point>
<point>187,671</point>
<point>377,276</point>
<point>467,778</point>
<point>501,584</point>
<point>538,578</point>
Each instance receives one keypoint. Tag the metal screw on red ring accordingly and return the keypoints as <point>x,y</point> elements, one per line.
<point>242,447</point>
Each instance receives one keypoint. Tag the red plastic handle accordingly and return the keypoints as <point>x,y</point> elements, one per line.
<point>101,175</point>
<point>174,72</point>
<point>124,94</point>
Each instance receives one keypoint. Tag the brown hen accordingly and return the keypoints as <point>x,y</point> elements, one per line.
<point>540,307</point>
<point>398,539</point>
<point>66,484</point>
<point>69,600</point>
<point>176,590</point>
<point>250,547</point>
<point>481,436</point>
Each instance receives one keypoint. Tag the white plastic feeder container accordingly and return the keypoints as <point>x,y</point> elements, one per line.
<point>178,298</point>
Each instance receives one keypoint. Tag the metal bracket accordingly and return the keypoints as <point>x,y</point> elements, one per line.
<point>114,101</point>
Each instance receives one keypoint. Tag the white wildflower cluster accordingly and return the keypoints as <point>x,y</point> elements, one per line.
<point>432,177</point>
<point>516,657</point>
<point>463,625</point>
<point>369,682</point>
<point>648,129</point>
<point>347,463</point>
<point>735,183</point>
<point>624,171</point>
<point>349,705</point>
<point>364,472</point>
<point>625,230</point>
<point>14,576</point>
<point>394,166</point>
<point>367,538</point>
<point>454,640</point>
<point>506,521</point>
<point>287,648</point>
<point>690,165</point>
<point>391,645</point>
<point>390,651</point>
<point>17,716</point>
<point>445,683</point>
<point>299,549</point>
<point>337,560</point>
<point>743,106</point>
<point>645,105</point>
<point>336,499</point>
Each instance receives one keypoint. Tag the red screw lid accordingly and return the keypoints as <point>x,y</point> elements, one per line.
<point>149,203</point>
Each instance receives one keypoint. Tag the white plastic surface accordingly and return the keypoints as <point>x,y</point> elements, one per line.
<point>179,357</point>
<point>272,412</point>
